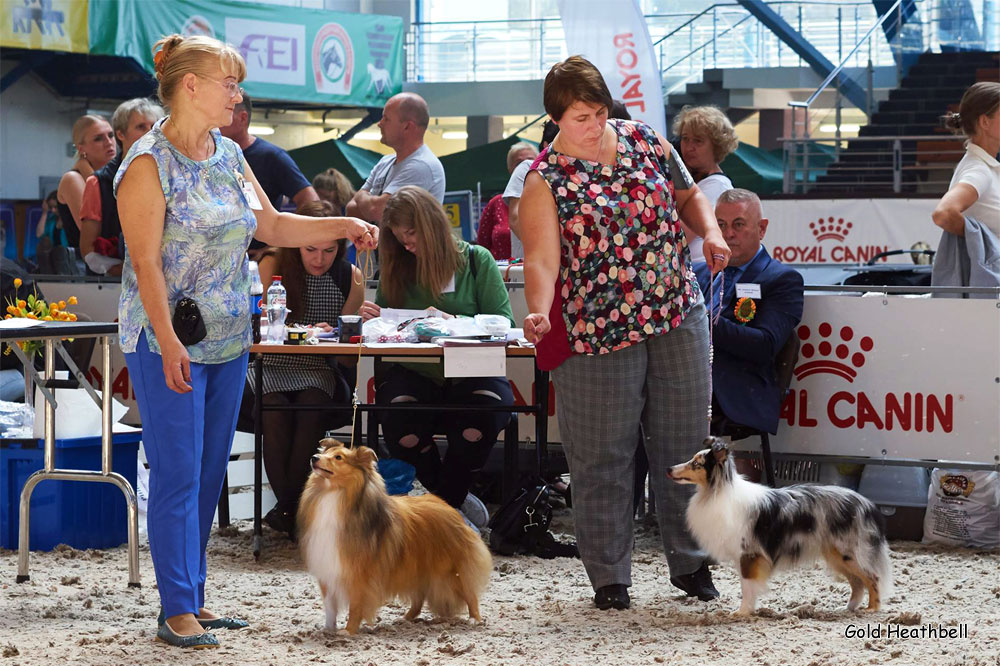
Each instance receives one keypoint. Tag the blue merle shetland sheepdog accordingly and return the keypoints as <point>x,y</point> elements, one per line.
<point>764,529</point>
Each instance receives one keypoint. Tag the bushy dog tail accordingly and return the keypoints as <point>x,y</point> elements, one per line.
<point>473,566</point>
<point>882,565</point>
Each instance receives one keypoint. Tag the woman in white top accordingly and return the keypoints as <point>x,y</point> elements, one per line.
<point>707,137</point>
<point>975,187</point>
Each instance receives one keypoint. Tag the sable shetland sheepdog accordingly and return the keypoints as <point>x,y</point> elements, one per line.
<point>764,529</point>
<point>366,547</point>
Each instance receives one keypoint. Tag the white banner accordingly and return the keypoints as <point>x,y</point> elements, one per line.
<point>847,231</point>
<point>614,36</point>
<point>880,377</point>
<point>274,52</point>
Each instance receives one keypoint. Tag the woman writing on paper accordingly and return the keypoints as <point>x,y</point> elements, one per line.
<point>423,266</point>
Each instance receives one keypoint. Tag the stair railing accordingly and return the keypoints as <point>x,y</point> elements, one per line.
<point>796,148</point>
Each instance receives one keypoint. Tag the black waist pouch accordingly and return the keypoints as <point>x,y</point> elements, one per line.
<point>187,321</point>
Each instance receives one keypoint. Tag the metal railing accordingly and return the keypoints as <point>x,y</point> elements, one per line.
<point>919,163</point>
<point>723,35</point>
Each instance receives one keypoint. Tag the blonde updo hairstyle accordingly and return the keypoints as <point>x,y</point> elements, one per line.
<point>80,128</point>
<point>981,99</point>
<point>174,56</point>
<point>711,123</point>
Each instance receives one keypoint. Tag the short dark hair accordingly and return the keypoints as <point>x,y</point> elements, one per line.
<point>575,79</point>
<point>619,111</point>
<point>245,105</point>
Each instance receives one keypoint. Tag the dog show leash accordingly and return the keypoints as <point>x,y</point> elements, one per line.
<point>713,318</point>
<point>366,267</point>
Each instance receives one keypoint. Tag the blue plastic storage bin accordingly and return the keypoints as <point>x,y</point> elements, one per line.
<point>81,514</point>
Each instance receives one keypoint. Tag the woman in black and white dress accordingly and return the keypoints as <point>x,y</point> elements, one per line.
<point>321,286</point>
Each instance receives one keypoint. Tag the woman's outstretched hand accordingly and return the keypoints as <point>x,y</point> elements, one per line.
<point>362,234</point>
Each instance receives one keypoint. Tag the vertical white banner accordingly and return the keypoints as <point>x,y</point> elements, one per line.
<point>614,36</point>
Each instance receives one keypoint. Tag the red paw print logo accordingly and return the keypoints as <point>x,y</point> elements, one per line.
<point>837,355</point>
<point>830,228</point>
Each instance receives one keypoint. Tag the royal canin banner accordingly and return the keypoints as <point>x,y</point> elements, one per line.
<point>847,231</point>
<point>613,36</point>
<point>896,378</point>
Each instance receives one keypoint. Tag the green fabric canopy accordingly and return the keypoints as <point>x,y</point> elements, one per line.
<point>754,169</point>
<point>355,163</point>
<point>484,165</point>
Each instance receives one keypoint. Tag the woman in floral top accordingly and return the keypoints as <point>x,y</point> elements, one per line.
<point>619,319</point>
<point>189,205</point>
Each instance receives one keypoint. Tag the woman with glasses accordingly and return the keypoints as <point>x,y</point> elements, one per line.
<point>189,205</point>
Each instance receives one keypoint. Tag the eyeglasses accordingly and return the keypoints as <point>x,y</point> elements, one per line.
<point>230,86</point>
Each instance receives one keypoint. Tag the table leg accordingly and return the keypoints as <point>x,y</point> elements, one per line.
<point>258,448</point>
<point>120,481</point>
<point>542,421</point>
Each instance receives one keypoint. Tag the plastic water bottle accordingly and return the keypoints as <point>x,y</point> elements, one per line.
<point>256,294</point>
<point>277,300</point>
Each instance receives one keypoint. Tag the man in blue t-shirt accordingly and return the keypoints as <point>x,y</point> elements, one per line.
<point>275,170</point>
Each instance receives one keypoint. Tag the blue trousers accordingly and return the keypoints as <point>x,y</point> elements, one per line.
<point>187,438</point>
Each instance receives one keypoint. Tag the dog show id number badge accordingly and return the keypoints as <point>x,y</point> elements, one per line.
<point>248,192</point>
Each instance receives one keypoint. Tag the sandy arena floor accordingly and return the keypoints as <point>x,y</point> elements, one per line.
<point>77,610</point>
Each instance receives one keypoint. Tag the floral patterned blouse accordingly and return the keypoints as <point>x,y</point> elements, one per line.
<point>206,231</point>
<point>625,267</point>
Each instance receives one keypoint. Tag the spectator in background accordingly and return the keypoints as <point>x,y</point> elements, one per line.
<point>975,186</point>
<point>275,170</point>
<point>707,138</point>
<point>745,389</point>
<point>403,124</point>
<point>101,241</point>
<point>494,231</point>
<point>333,186</point>
<point>424,265</point>
<point>321,285</point>
<point>95,146</point>
<point>50,226</point>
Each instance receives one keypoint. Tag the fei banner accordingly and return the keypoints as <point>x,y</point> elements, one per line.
<point>55,25</point>
<point>613,36</point>
<point>847,231</point>
<point>305,55</point>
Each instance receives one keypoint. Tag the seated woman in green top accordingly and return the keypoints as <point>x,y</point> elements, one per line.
<point>422,266</point>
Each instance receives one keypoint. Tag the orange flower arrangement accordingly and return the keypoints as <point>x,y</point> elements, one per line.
<point>36,308</point>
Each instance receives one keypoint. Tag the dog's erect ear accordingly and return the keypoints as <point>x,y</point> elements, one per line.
<point>720,451</point>
<point>326,443</point>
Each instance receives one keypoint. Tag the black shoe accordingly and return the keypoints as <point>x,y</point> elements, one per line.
<point>612,596</point>
<point>281,521</point>
<point>697,584</point>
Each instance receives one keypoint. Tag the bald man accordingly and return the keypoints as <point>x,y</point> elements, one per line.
<point>404,121</point>
<point>744,383</point>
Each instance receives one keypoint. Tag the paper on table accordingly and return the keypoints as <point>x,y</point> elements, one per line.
<point>475,362</point>
<point>19,322</point>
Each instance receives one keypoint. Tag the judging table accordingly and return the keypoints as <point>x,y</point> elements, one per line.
<point>51,333</point>
<point>388,353</point>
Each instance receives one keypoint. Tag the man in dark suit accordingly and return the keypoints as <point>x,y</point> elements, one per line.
<point>747,339</point>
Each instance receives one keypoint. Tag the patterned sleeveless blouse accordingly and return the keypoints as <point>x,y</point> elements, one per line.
<point>207,228</point>
<point>625,267</point>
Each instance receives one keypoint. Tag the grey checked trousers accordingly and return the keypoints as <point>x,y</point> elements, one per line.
<point>663,383</point>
